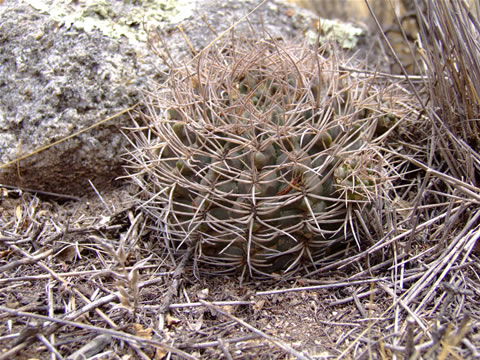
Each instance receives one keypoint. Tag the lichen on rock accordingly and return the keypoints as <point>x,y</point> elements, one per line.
<point>115,19</point>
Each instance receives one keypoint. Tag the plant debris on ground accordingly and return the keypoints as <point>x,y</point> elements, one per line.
<point>92,278</point>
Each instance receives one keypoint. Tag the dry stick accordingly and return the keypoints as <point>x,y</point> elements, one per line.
<point>444,262</point>
<point>9,336</point>
<point>377,267</point>
<point>50,347</point>
<point>93,305</point>
<point>78,273</point>
<point>410,339</point>
<point>205,20</point>
<point>192,49</point>
<point>27,339</point>
<point>101,198</point>
<point>40,192</point>
<point>336,323</point>
<point>397,300</point>
<point>473,349</point>
<point>396,348</point>
<point>224,349</point>
<point>59,278</point>
<point>173,289</point>
<point>381,74</point>
<point>114,333</point>
<point>41,264</point>
<point>404,305</point>
<point>91,348</point>
<point>139,352</point>
<point>25,261</point>
<point>97,310</point>
<point>6,239</point>
<point>62,233</point>
<point>352,298</point>
<point>369,292</point>
<point>198,304</point>
<point>467,189</point>
<point>273,340</point>
<point>10,353</point>
<point>362,273</point>
<point>51,312</point>
<point>359,306</point>
<point>210,344</point>
<point>318,287</point>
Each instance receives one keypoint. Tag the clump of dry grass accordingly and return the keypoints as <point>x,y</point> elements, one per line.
<point>438,276</point>
<point>450,45</point>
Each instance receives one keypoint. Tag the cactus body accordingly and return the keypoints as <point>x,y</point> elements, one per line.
<point>250,157</point>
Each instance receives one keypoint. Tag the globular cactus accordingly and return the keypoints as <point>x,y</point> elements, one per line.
<point>252,154</point>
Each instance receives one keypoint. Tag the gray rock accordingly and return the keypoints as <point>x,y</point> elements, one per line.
<point>60,74</point>
<point>55,81</point>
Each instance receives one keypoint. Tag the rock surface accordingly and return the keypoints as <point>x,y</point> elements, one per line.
<point>58,76</point>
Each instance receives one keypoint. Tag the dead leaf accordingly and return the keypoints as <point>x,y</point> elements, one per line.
<point>259,305</point>
<point>104,220</point>
<point>203,294</point>
<point>123,296</point>
<point>146,333</point>
<point>229,309</point>
<point>67,254</point>
<point>198,324</point>
<point>172,320</point>
<point>4,253</point>
<point>18,212</point>
<point>160,353</point>
<point>133,278</point>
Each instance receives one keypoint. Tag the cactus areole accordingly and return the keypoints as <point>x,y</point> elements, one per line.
<point>253,153</point>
